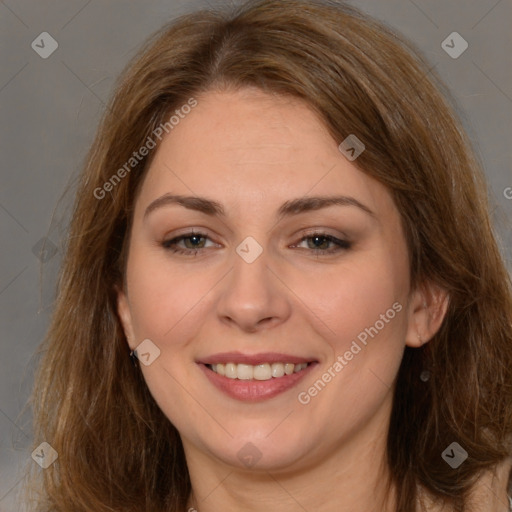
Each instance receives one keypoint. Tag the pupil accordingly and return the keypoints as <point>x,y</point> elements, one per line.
<point>193,239</point>
<point>316,239</point>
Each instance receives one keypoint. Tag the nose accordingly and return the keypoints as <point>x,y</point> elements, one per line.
<point>253,297</point>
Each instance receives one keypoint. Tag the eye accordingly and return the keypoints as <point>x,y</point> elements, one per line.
<point>193,241</point>
<point>320,241</point>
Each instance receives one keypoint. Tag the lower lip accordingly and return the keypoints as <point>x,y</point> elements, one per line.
<point>255,390</point>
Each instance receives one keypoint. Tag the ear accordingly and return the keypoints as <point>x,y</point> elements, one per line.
<point>427,309</point>
<point>125,315</point>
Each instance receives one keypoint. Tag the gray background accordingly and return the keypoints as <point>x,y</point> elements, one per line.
<point>50,109</point>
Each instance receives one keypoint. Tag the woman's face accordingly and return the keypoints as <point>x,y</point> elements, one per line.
<point>254,285</point>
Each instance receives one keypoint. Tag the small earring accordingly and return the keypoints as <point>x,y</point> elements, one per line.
<point>424,375</point>
<point>134,359</point>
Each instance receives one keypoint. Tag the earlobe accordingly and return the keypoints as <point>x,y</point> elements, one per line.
<point>427,310</point>
<point>124,312</point>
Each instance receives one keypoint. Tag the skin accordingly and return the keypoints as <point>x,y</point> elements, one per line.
<point>251,152</point>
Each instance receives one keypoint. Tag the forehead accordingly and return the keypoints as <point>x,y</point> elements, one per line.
<point>251,147</point>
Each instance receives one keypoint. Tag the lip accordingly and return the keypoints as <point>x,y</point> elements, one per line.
<point>254,359</point>
<point>256,390</point>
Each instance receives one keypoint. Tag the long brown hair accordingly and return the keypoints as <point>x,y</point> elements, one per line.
<point>117,450</point>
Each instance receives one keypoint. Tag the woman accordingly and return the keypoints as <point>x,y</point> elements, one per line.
<point>282,223</point>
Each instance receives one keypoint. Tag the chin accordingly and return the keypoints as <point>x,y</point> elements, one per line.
<point>257,453</point>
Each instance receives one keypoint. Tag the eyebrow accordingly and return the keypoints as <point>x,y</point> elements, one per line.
<point>288,208</point>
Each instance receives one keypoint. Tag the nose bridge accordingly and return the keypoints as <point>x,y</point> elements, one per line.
<point>250,269</point>
<point>252,293</point>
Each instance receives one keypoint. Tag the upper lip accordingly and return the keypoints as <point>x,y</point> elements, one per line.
<point>254,359</point>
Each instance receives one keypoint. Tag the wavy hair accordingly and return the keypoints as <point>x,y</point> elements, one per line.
<point>117,450</point>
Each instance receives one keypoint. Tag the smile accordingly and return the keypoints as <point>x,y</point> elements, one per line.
<point>255,378</point>
<point>264,371</point>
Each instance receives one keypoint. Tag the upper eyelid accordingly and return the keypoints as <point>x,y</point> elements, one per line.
<point>301,237</point>
<point>304,232</point>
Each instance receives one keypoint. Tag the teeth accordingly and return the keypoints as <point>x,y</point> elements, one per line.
<point>264,371</point>
<point>277,369</point>
<point>288,368</point>
<point>244,372</point>
<point>230,371</point>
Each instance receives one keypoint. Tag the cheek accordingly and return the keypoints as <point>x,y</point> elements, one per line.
<point>352,298</point>
<point>364,307</point>
<point>363,304</point>
<point>161,294</point>
<point>168,307</point>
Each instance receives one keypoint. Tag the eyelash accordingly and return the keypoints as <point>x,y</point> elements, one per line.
<point>341,244</point>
